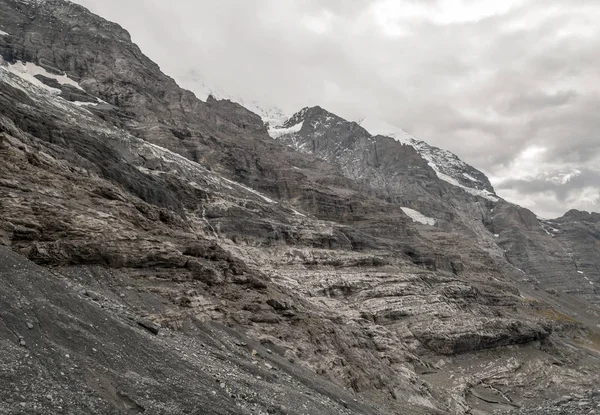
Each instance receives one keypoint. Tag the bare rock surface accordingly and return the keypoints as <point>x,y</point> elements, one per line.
<point>186,262</point>
<point>89,356</point>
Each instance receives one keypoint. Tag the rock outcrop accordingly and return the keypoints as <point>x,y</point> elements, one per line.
<point>63,351</point>
<point>435,183</point>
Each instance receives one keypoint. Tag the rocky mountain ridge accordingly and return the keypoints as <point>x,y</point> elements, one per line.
<point>448,166</point>
<point>171,217</point>
<point>383,168</point>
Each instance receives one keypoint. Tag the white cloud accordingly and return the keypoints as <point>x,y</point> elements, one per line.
<point>319,23</point>
<point>392,13</point>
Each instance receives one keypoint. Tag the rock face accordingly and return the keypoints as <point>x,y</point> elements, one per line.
<point>159,223</point>
<point>447,165</point>
<point>404,171</point>
<point>559,255</point>
<point>579,234</point>
<point>88,356</point>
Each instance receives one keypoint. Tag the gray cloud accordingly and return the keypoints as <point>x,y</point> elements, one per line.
<point>581,190</point>
<point>577,183</point>
<point>532,101</point>
<point>512,87</point>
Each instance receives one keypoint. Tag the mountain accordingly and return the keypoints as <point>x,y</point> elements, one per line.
<point>461,200</point>
<point>447,166</point>
<point>202,88</point>
<point>165,254</point>
<point>578,233</point>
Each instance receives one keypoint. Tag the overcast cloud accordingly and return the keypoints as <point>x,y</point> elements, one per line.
<point>511,86</point>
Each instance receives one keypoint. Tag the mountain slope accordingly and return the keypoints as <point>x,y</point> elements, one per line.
<point>185,215</point>
<point>579,235</point>
<point>447,166</point>
<point>393,168</point>
<point>203,89</point>
<point>90,353</point>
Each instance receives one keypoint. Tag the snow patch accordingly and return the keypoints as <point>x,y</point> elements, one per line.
<point>3,33</point>
<point>379,127</point>
<point>580,272</point>
<point>298,213</point>
<point>548,229</point>
<point>276,132</point>
<point>28,70</point>
<point>265,198</point>
<point>428,156</point>
<point>83,104</point>
<point>417,216</point>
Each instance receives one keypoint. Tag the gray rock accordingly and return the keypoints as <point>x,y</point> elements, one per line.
<point>181,210</point>
<point>149,325</point>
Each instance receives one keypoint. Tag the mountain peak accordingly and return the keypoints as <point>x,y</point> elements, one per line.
<point>447,165</point>
<point>580,215</point>
<point>379,127</point>
<point>316,121</point>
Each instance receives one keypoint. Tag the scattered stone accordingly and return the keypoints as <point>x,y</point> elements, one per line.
<point>278,305</point>
<point>93,295</point>
<point>149,325</point>
<point>564,399</point>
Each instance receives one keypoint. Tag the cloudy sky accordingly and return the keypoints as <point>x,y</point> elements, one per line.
<point>511,86</point>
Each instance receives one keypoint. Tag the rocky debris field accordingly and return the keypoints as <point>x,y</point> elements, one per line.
<point>161,254</point>
<point>67,350</point>
<point>584,404</point>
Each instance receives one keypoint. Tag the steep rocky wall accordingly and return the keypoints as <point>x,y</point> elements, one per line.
<point>329,279</point>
